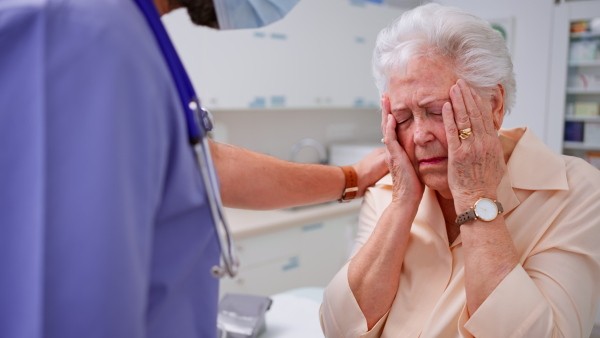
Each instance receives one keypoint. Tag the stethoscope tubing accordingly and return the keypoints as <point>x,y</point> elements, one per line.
<point>229,263</point>
<point>197,128</point>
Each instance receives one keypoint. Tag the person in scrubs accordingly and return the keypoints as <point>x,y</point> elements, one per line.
<point>105,226</point>
<point>478,231</point>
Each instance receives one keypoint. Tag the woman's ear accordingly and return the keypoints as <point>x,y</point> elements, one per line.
<point>497,100</point>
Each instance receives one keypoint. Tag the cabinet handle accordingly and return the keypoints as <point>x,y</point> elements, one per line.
<point>311,227</point>
<point>292,263</point>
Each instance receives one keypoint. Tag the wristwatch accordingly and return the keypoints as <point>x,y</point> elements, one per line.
<point>351,186</point>
<point>484,209</point>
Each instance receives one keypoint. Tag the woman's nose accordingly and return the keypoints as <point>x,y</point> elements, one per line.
<point>423,132</point>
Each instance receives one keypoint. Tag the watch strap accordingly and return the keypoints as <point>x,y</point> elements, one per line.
<point>470,214</point>
<point>466,216</point>
<point>500,208</point>
<point>351,186</point>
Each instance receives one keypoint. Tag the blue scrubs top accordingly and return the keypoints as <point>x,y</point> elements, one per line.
<point>104,225</point>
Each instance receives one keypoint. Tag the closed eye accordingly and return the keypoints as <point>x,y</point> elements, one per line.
<point>404,120</point>
<point>401,118</point>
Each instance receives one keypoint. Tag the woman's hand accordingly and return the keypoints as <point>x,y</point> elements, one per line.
<point>406,184</point>
<point>374,272</point>
<point>475,163</point>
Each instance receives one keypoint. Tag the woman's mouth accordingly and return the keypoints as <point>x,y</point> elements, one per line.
<point>432,160</point>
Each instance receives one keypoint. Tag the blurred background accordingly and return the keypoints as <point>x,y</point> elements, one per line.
<point>302,90</point>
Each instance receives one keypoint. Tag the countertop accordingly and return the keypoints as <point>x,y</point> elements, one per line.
<point>248,223</point>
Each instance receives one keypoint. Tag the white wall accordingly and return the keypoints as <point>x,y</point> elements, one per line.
<point>531,45</point>
<point>273,132</point>
<point>318,56</point>
<point>322,69</point>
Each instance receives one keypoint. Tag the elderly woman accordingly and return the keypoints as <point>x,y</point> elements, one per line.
<point>477,231</point>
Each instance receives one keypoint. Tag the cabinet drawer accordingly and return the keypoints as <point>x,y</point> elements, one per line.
<point>278,275</point>
<point>264,248</point>
<point>308,255</point>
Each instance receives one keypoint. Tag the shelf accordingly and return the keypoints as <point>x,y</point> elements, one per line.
<point>591,63</point>
<point>580,146</point>
<point>583,35</point>
<point>582,118</point>
<point>579,91</point>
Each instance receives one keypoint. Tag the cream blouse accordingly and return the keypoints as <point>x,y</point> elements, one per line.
<point>552,211</point>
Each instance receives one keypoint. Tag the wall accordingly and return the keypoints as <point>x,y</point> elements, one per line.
<point>273,132</point>
<point>318,66</point>
<point>318,56</point>
<point>530,48</point>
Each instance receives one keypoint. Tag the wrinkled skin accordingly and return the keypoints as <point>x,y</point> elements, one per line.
<point>422,114</point>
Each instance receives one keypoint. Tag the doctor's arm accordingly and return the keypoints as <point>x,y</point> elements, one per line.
<point>250,180</point>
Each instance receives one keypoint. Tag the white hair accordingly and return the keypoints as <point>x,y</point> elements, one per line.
<point>478,52</point>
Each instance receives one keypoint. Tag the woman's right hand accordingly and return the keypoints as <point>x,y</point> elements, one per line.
<point>374,272</point>
<point>407,188</point>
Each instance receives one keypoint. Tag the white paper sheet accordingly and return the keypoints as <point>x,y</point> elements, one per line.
<point>293,316</point>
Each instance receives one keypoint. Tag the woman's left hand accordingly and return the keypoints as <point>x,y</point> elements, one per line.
<point>475,163</point>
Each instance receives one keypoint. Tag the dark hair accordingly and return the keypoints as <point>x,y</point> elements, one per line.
<point>202,12</point>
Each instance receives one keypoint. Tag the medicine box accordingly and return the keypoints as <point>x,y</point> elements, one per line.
<point>592,133</point>
<point>588,81</point>
<point>587,109</point>
<point>574,131</point>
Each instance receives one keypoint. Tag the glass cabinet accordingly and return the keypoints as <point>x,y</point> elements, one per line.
<point>582,115</point>
<point>574,120</point>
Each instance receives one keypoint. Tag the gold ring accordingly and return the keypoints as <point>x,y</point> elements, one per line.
<point>465,133</point>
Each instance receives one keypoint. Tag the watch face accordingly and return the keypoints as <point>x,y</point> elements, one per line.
<point>486,209</point>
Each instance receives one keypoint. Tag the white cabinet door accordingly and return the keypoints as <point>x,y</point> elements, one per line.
<point>325,249</point>
<point>269,278</point>
<point>309,255</point>
<point>268,263</point>
<point>319,55</point>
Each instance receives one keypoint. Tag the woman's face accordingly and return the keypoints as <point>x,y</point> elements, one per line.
<point>416,100</point>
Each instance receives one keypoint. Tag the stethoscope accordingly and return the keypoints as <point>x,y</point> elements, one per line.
<point>199,122</point>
